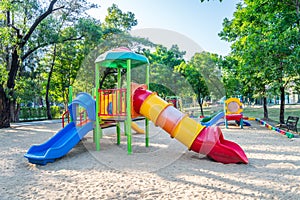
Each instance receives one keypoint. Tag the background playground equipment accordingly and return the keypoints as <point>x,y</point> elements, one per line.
<point>138,102</point>
<point>212,119</point>
<point>233,109</point>
<point>175,100</point>
<point>286,133</point>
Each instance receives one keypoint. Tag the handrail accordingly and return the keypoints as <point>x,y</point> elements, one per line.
<point>63,117</point>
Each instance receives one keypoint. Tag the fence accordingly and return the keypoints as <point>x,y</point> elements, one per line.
<point>28,114</point>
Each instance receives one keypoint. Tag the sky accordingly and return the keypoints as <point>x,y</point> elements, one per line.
<point>196,21</point>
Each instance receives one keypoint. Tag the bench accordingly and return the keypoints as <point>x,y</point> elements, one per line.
<point>291,123</point>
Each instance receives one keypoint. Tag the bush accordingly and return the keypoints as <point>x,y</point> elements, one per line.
<point>27,113</point>
<point>56,112</point>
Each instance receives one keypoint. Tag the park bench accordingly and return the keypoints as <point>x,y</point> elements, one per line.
<point>291,123</point>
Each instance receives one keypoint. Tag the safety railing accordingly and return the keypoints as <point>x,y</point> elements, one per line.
<point>112,102</point>
<point>65,115</point>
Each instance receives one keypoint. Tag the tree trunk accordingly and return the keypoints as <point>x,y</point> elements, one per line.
<point>7,99</point>
<point>265,105</point>
<point>48,106</point>
<point>282,103</point>
<point>12,108</point>
<point>4,109</point>
<point>200,103</point>
<point>106,73</point>
<point>17,112</point>
<point>15,65</point>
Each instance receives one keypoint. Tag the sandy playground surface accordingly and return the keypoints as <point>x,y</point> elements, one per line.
<point>165,170</point>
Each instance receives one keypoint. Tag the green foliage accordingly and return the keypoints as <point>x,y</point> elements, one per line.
<point>28,31</point>
<point>265,40</point>
<point>169,58</point>
<point>114,33</point>
<point>195,79</point>
<point>85,78</point>
<point>161,90</point>
<point>207,65</point>
<point>3,73</point>
<point>117,20</point>
<point>56,111</point>
<point>28,89</point>
<point>265,43</point>
<point>231,83</point>
<point>162,64</point>
<point>28,113</point>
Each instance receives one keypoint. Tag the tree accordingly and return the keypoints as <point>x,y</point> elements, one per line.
<point>165,80</point>
<point>118,20</point>
<point>23,33</point>
<point>265,38</point>
<point>167,57</point>
<point>161,90</point>
<point>231,84</point>
<point>196,80</point>
<point>66,59</point>
<point>114,33</point>
<point>207,65</point>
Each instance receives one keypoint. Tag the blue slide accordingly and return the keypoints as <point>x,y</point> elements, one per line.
<point>61,143</point>
<point>214,120</point>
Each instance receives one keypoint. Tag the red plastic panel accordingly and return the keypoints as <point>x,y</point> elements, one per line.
<point>139,97</point>
<point>234,117</point>
<point>211,142</point>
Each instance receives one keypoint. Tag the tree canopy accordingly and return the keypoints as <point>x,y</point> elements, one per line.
<point>265,43</point>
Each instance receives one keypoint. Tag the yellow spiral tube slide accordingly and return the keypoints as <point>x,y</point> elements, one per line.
<point>174,122</point>
<point>205,140</point>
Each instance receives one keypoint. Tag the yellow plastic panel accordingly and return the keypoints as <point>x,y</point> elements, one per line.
<point>187,131</point>
<point>233,106</point>
<point>152,107</point>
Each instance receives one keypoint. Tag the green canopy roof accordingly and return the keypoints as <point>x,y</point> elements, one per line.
<point>117,58</point>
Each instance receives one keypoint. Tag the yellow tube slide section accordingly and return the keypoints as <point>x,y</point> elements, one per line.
<point>178,125</point>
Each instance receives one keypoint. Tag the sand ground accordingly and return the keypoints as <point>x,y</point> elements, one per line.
<point>165,170</point>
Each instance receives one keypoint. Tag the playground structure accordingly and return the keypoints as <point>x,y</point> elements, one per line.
<point>233,109</point>
<point>212,119</point>
<point>108,104</point>
<point>124,105</point>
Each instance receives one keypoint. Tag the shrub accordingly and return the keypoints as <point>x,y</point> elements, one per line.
<point>28,113</point>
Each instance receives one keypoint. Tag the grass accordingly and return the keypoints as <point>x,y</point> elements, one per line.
<point>257,112</point>
<point>273,112</point>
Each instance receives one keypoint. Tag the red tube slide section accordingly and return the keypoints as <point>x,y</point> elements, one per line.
<point>200,139</point>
